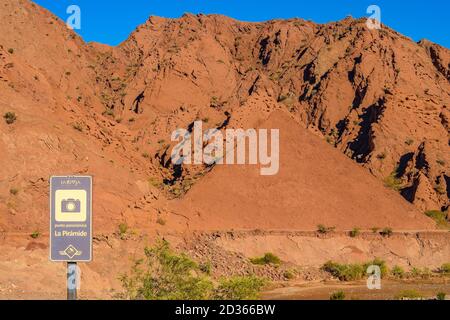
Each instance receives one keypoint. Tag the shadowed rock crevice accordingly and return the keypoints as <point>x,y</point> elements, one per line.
<point>137,102</point>
<point>363,145</point>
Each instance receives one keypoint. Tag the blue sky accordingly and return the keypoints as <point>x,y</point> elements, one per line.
<point>111,21</point>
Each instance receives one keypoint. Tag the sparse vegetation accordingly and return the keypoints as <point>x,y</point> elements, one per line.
<point>352,272</point>
<point>380,263</point>
<point>440,189</point>
<point>155,182</point>
<point>441,218</point>
<point>108,112</point>
<point>11,50</point>
<point>268,258</point>
<point>355,232</point>
<point>409,142</point>
<point>375,229</point>
<point>238,288</point>
<point>440,162</point>
<point>215,103</point>
<point>440,296</point>
<point>344,272</point>
<point>424,273</point>
<point>398,272</point>
<point>123,230</point>
<point>206,267</point>
<point>393,182</point>
<point>339,295</point>
<point>14,191</point>
<point>10,117</point>
<point>409,295</point>
<point>145,155</point>
<point>165,275</point>
<point>324,229</point>
<point>445,268</point>
<point>289,274</point>
<point>35,235</point>
<point>386,232</point>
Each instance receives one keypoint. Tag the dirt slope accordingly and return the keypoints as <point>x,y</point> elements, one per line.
<point>313,187</point>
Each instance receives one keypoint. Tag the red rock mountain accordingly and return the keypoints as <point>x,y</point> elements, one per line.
<point>360,112</point>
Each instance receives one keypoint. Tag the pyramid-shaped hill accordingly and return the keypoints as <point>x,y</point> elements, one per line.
<point>315,185</point>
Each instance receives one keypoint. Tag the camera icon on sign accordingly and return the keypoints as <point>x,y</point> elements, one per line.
<point>70,206</point>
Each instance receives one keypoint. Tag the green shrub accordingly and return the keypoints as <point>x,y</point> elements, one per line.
<point>394,183</point>
<point>409,294</point>
<point>445,268</point>
<point>268,258</point>
<point>35,235</point>
<point>439,217</point>
<point>14,191</point>
<point>377,262</point>
<point>10,117</point>
<point>155,182</point>
<point>386,232</point>
<point>352,272</point>
<point>424,273</point>
<point>165,275</point>
<point>355,232</point>
<point>214,101</point>
<point>206,267</point>
<point>324,230</point>
<point>440,296</point>
<point>11,50</point>
<point>339,295</point>
<point>238,288</point>
<point>344,272</point>
<point>375,229</point>
<point>398,272</point>
<point>123,229</point>
<point>289,274</point>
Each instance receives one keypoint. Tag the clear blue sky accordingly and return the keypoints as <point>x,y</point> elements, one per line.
<point>111,21</point>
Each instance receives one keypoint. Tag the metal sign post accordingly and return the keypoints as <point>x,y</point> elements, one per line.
<point>72,280</point>
<point>71,225</point>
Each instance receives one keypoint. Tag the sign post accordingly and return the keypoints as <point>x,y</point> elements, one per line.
<point>72,280</point>
<point>71,225</point>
